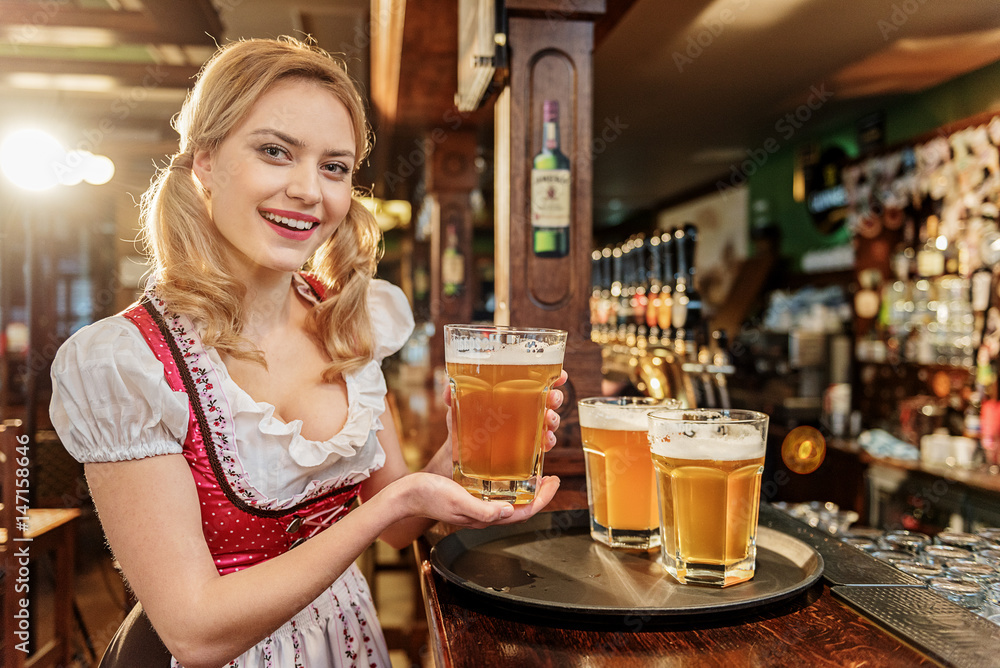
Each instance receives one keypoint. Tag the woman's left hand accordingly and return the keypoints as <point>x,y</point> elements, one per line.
<point>552,404</point>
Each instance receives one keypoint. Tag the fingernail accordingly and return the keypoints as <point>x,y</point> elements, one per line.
<point>506,511</point>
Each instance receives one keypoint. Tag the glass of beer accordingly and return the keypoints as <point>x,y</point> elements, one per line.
<point>621,488</point>
<point>500,378</point>
<point>708,466</point>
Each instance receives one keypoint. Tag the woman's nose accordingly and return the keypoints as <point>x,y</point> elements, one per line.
<point>304,184</point>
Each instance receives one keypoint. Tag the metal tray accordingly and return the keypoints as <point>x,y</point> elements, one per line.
<point>550,567</point>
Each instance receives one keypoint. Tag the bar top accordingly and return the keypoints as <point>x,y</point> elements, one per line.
<point>843,621</point>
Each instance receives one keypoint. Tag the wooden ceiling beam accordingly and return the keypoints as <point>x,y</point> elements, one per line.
<point>146,75</point>
<point>38,16</point>
<point>181,22</point>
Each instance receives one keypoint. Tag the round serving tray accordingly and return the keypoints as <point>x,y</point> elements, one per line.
<point>549,566</point>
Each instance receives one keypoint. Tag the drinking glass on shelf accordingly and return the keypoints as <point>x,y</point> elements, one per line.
<point>621,488</point>
<point>961,539</point>
<point>906,541</point>
<point>942,555</point>
<point>708,466</point>
<point>500,378</point>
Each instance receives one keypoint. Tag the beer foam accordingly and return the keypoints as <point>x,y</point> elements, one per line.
<point>615,417</point>
<point>708,441</point>
<point>477,351</point>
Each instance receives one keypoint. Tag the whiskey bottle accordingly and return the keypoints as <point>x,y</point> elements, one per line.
<point>551,204</point>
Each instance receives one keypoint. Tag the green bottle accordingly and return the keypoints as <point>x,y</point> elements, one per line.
<point>551,203</point>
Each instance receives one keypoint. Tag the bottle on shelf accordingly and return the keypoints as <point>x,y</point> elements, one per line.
<point>452,264</point>
<point>930,257</point>
<point>551,203</point>
<point>904,256</point>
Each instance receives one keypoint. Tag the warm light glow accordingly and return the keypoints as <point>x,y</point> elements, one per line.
<point>88,83</point>
<point>753,15</point>
<point>100,170</point>
<point>35,160</point>
<point>29,158</point>
<point>389,214</point>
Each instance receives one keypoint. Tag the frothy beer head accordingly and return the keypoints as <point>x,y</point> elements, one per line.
<point>506,346</point>
<point>618,413</point>
<point>719,437</point>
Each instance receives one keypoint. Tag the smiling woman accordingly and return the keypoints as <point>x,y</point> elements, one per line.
<point>239,408</point>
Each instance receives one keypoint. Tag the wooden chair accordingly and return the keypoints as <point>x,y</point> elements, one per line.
<point>47,530</point>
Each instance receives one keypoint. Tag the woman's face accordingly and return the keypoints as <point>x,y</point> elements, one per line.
<point>281,182</point>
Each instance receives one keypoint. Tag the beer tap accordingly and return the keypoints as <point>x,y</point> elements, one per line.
<point>595,296</point>
<point>654,300</point>
<point>665,313</point>
<point>707,385</point>
<point>626,323</point>
<point>605,305</point>
<point>615,316</point>
<point>720,359</point>
<point>695,308</point>
<point>679,312</point>
<point>639,297</point>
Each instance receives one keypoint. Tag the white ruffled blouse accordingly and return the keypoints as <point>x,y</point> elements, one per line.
<point>111,402</point>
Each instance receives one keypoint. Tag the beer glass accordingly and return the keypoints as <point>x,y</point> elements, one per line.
<point>621,489</point>
<point>708,466</point>
<point>500,378</point>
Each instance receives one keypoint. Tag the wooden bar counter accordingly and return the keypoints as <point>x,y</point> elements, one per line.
<point>811,629</point>
<point>861,612</point>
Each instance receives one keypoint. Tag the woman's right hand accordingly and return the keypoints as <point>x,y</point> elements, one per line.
<point>440,498</point>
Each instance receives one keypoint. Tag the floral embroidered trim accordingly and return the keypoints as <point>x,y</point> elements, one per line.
<point>214,419</point>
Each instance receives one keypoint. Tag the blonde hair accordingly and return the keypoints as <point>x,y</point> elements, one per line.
<point>189,259</point>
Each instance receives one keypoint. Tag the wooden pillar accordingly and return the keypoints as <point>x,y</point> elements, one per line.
<point>451,177</point>
<point>551,52</point>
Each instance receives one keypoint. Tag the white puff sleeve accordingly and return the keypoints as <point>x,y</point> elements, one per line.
<point>110,399</point>
<point>391,317</point>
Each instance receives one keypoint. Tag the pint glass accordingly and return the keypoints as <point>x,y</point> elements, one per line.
<point>708,466</point>
<point>621,489</point>
<point>500,378</point>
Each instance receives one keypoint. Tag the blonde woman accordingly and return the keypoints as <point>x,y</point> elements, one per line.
<point>230,419</point>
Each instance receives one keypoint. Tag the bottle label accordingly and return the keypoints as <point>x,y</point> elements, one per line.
<point>550,198</point>
<point>452,271</point>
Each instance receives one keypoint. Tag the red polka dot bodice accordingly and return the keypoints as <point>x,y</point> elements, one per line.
<point>239,533</point>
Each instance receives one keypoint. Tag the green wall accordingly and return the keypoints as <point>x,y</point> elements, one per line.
<point>907,117</point>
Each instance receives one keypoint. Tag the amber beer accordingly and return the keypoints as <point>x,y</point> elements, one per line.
<point>708,466</point>
<point>621,488</point>
<point>500,378</point>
